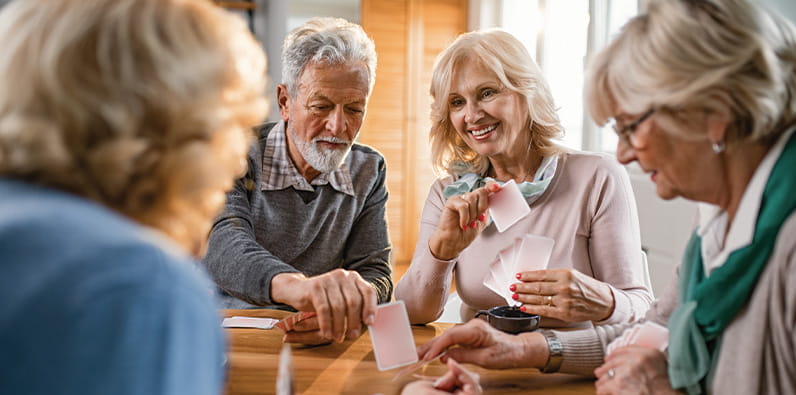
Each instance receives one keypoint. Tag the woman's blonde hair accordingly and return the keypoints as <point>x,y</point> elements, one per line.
<point>728,57</point>
<point>507,58</point>
<point>143,106</point>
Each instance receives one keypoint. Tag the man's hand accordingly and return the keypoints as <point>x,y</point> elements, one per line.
<point>341,299</point>
<point>303,328</point>
<point>482,345</point>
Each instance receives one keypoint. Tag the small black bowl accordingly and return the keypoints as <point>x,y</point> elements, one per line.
<point>510,319</point>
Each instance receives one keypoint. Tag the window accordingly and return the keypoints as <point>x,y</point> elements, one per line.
<point>561,35</point>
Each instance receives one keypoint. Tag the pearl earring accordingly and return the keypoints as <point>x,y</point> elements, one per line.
<point>718,147</point>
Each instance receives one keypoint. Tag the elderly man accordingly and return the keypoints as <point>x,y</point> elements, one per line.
<point>306,226</point>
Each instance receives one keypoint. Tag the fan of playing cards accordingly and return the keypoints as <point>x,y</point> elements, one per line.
<point>525,254</point>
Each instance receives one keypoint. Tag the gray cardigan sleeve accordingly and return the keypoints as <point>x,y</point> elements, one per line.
<point>238,264</point>
<point>368,245</point>
<point>243,268</point>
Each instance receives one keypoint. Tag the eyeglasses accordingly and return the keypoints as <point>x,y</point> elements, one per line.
<point>626,132</point>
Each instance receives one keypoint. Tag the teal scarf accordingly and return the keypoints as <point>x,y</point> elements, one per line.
<point>530,190</point>
<point>709,304</point>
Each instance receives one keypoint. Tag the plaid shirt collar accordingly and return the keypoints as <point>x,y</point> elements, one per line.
<point>279,172</point>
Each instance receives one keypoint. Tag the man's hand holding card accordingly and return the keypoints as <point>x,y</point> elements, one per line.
<point>303,328</point>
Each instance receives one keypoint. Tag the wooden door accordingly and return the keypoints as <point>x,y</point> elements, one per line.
<point>408,34</point>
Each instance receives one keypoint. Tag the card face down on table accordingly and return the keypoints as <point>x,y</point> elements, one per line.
<point>391,335</point>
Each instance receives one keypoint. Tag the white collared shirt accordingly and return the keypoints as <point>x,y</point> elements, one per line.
<point>280,173</point>
<point>713,220</point>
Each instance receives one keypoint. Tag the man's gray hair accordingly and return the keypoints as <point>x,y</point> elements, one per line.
<point>332,41</point>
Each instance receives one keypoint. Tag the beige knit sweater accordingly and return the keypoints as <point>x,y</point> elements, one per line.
<point>758,354</point>
<point>590,212</point>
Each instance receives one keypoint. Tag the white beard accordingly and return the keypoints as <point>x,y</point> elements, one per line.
<point>321,159</point>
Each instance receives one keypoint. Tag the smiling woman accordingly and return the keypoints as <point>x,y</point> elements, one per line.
<point>494,121</point>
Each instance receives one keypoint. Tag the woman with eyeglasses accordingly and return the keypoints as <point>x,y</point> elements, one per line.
<point>703,96</point>
<point>494,121</point>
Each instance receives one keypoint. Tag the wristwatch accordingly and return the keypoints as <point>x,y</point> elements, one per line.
<point>556,352</point>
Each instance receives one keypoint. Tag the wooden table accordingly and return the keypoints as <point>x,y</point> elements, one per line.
<point>350,367</point>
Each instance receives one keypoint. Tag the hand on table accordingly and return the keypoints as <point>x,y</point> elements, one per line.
<point>462,220</point>
<point>303,328</point>
<point>341,299</point>
<point>457,380</point>
<point>634,370</point>
<point>482,345</point>
<point>565,294</point>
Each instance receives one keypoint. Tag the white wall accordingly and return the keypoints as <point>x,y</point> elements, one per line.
<point>786,8</point>
<point>665,228</point>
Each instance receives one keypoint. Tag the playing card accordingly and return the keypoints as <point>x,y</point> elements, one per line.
<point>533,253</point>
<point>284,374</point>
<point>652,335</point>
<point>649,334</point>
<point>507,206</point>
<point>619,341</point>
<point>631,335</point>
<point>289,323</point>
<point>415,366</point>
<point>506,274</point>
<point>248,322</point>
<point>391,336</point>
<point>490,282</point>
<point>496,286</point>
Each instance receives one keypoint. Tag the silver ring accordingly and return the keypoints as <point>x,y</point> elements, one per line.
<point>549,300</point>
<point>611,373</point>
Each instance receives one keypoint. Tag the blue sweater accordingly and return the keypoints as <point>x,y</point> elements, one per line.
<point>93,303</point>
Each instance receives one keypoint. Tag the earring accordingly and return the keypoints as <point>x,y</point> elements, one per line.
<point>718,147</point>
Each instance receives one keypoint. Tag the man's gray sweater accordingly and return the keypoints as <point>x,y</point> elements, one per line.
<point>262,233</point>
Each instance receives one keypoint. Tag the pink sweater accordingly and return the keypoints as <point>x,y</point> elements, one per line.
<point>588,210</point>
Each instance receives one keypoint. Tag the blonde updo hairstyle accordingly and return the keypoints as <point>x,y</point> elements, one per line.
<point>508,59</point>
<point>707,56</point>
<point>143,106</point>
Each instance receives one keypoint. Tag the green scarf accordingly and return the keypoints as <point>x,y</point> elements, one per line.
<point>709,303</point>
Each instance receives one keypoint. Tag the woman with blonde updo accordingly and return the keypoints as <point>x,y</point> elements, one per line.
<point>122,124</point>
<point>494,120</point>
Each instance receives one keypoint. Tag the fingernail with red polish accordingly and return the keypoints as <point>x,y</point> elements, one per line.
<point>515,296</point>
<point>513,287</point>
<point>464,227</point>
<point>482,217</point>
<point>518,275</point>
<point>473,225</point>
<point>522,308</point>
